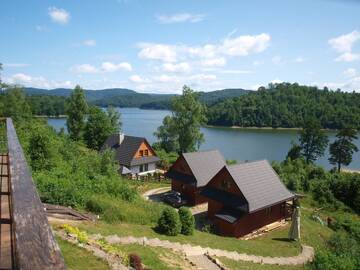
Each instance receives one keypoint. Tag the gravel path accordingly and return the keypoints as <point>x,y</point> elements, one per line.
<point>305,256</point>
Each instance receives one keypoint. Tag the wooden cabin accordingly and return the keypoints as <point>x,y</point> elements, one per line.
<point>245,197</point>
<point>192,171</point>
<point>134,154</point>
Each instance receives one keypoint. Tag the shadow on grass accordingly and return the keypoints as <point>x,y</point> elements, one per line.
<point>283,239</point>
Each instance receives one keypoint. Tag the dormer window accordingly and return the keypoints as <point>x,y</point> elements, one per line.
<point>141,153</point>
<point>146,152</point>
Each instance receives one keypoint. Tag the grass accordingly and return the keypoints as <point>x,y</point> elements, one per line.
<point>142,187</point>
<point>240,265</point>
<point>77,258</point>
<point>154,258</point>
<point>271,244</point>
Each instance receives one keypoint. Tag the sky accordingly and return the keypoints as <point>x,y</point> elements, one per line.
<point>160,45</point>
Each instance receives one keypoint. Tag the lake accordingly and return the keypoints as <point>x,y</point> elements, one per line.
<point>238,144</point>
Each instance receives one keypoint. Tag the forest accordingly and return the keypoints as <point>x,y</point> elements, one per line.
<point>288,105</point>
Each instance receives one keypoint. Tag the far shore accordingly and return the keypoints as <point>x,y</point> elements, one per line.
<point>264,128</point>
<point>51,116</point>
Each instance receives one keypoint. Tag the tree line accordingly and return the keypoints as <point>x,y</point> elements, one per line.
<point>288,105</point>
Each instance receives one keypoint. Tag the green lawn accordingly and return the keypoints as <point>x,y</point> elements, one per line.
<point>77,258</point>
<point>271,244</point>
<point>155,258</point>
<point>239,265</point>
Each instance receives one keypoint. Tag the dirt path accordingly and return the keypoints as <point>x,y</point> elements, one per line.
<point>305,256</point>
<point>155,194</point>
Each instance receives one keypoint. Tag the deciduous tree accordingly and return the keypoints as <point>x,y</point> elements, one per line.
<point>343,148</point>
<point>76,111</point>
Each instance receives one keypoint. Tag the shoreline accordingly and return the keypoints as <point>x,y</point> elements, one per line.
<point>264,128</point>
<point>51,116</point>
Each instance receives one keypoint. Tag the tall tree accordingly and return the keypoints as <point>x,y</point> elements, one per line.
<point>98,128</point>
<point>76,111</point>
<point>343,148</point>
<point>115,119</point>
<point>188,115</point>
<point>313,141</point>
<point>167,135</point>
<point>294,152</point>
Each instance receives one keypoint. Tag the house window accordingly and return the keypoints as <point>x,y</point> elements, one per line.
<point>146,167</point>
<point>225,184</point>
<point>146,152</point>
<point>268,211</point>
<point>141,168</point>
<point>141,153</point>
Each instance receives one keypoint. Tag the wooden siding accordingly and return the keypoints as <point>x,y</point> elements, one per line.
<point>189,191</point>
<point>144,146</point>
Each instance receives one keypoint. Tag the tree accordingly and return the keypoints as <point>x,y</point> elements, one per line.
<point>15,104</point>
<point>115,119</point>
<point>313,141</point>
<point>343,148</point>
<point>76,111</point>
<point>169,222</point>
<point>167,135</point>
<point>98,128</point>
<point>294,152</point>
<point>187,221</point>
<point>181,130</point>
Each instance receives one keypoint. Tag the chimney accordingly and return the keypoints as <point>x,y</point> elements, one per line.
<point>121,137</point>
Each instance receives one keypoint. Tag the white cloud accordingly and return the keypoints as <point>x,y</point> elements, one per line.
<point>41,82</point>
<point>84,68</point>
<point>180,67</point>
<point>166,78</point>
<point>138,79</point>
<point>202,78</point>
<point>180,17</point>
<point>350,72</point>
<point>214,62</point>
<point>59,15</point>
<point>89,42</point>
<point>236,71</point>
<point>15,65</point>
<point>276,81</point>
<point>245,45</point>
<point>344,42</point>
<point>163,52</point>
<point>299,59</point>
<point>348,57</point>
<point>111,67</point>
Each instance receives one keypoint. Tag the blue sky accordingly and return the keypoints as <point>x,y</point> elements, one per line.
<point>158,46</point>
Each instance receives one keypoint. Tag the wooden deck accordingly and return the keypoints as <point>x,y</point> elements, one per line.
<point>6,247</point>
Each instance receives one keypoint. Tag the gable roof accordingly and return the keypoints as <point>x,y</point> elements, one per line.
<point>259,184</point>
<point>126,151</point>
<point>204,165</point>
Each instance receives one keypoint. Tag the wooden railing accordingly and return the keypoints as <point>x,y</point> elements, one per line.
<point>34,246</point>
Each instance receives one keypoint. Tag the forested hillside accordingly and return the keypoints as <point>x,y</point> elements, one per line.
<point>288,105</point>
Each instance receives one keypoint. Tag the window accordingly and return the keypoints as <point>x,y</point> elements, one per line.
<point>146,167</point>
<point>225,184</point>
<point>141,153</point>
<point>146,152</point>
<point>141,168</point>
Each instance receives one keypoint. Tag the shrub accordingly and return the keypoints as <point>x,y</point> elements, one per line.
<point>187,221</point>
<point>135,261</point>
<point>169,222</point>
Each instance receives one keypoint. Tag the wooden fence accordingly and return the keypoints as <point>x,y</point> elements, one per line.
<point>34,245</point>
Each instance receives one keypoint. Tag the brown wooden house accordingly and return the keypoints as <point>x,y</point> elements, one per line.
<point>134,154</point>
<point>245,197</point>
<point>192,171</point>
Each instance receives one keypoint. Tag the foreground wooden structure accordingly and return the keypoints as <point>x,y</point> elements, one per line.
<point>27,241</point>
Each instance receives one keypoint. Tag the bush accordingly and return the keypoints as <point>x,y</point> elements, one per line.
<point>135,261</point>
<point>169,222</point>
<point>187,221</point>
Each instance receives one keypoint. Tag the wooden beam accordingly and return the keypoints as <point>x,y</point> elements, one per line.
<point>35,245</point>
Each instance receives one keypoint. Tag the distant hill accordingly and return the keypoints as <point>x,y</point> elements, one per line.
<point>122,97</point>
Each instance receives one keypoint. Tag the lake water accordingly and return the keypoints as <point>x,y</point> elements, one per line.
<point>238,144</point>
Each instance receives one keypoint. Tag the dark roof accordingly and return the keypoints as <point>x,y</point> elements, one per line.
<point>259,184</point>
<point>125,152</point>
<point>229,215</point>
<point>226,198</point>
<point>182,177</point>
<point>204,165</point>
